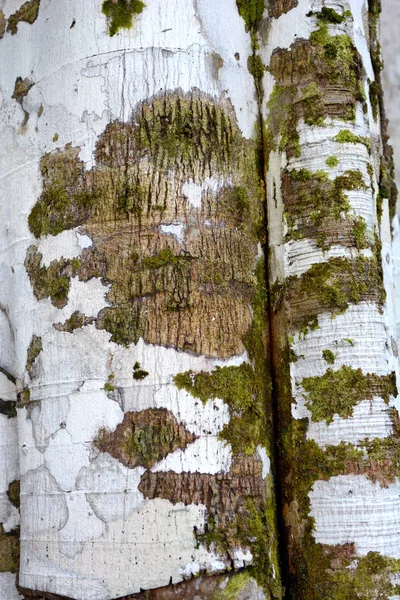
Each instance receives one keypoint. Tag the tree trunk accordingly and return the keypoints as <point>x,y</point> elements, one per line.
<point>194,421</point>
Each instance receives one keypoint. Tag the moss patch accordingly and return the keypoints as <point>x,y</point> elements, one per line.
<point>332,161</point>
<point>332,286</point>
<point>35,348</point>
<point>13,493</point>
<point>345,136</point>
<point>328,15</point>
<point>314,204</point>
<point>321,571</point>
<point>314,78</point>
<point>120,13</point>
<point>76,321</point>
<point>28,13</point>
<point>251,12</point>
<point>9,551</point>
<point>329,356</point>
<point>53,281</point>
<point>2,24</point>
<point>143,438</point>
<point>338,392</point>
<point>139,373</point>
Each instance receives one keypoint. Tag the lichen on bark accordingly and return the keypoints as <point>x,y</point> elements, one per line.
<point>27,13</point>
<point>338,392</point>
<point>143,438</point>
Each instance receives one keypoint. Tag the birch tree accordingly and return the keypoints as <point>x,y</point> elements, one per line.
<point>198,359</point>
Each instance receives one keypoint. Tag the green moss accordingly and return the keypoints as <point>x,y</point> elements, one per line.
<point>328,61</point>
<point>76,321</point>
<point>35,348</point>
<point>334,285</point>
<point>251,12</point>
<point>313,105</point>
<point>9,551</point>
<point>138,373</point>
<point>320,571</point>
<point>235,585</point>
<point>348,137</point>
<point>27,13</point>
<point>109,384</point>
<point>256,66</point>
<point>13,493</point>
<point>145,437</point>
<point>309,198</point>
<point>282,120</point>
<point>177,131</point>
<point>123,322</point>
<point>332,161</point>
<point>374,95</point>
<point>121,12</point>
<point>24,397</point>
<point>338,392</point>
<point>58,210</point>
<point>53,281</point>
<point>163,259</point>
<point>360,233</point>
<point>231,384</point>
<point>237,386</point>
<point>329,356</point>
<point>328,15</point>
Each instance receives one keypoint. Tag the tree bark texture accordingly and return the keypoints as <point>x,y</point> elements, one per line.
<point>198,358</point>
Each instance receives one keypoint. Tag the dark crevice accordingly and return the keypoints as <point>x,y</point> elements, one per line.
<point>272,349</point>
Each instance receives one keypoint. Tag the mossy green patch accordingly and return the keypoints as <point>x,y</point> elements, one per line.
<point>143,438</point>
<point>374,94</point>
<point>28,13</point>
<point>235,585</point>
<point>345,136</point>
<point>322,571</point>
<point>53,281</point>
<point>328,15</point>
<point>120,13</point>
<point>138,372</point>
<point>251,12</point>
<point>256,66</point>
<point>338,392</point>
<point>360,233</point>
<point>109,384</point>
<point>312,198</point>
<point>237,386</point>
<point>332,286</point>
<point>331,63</point>
<point>34,349</point>
<point>329,356</point>
<point>13,493</point>
<point>332,161</point>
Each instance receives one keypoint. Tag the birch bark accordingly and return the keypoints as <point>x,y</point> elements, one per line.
<point>330,274</point>
<point>131,228</point>
<point>156,379</point>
